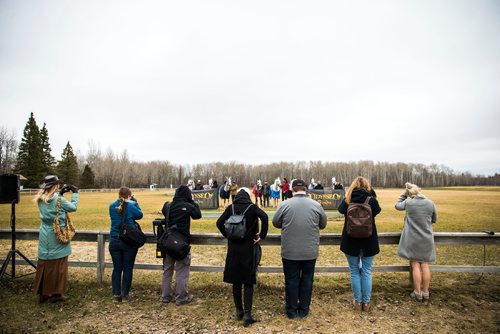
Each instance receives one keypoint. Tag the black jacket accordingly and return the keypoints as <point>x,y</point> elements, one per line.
<point>182,210</point>
<point>353,246</point>
<point>240,264</point>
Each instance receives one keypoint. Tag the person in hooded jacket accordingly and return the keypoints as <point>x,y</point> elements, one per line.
<point>179,212</point>
<point>360,251</point>
<point>243,256</point>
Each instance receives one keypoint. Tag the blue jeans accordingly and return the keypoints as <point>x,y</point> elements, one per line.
<point>123,257</point>
<point>299,277</point>
<point>361,278</point>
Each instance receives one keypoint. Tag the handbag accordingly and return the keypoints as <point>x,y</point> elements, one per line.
<point>131,235</point>
<point>63,235</point>
<point>172,242</point>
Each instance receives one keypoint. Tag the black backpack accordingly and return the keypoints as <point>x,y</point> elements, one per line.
<point>235,225</point>
<point>131,235</point>
<point>172,242</point>
<point>359,219</point>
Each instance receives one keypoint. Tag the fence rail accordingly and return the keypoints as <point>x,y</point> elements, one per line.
<point>390,238</point>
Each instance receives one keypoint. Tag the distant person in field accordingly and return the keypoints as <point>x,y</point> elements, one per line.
<point>243,256</point>
<point>51,278</point>
<point>338,186</point>
<point>318,186</point>
<point>123,255</point>
<point>300,219</point>
<point>285,188</point>
<point>257,191</point>
<point>275,191</point>
<point>179,213</point>
<point>266,193</point>
<point>417,239</point>
<point>360,251</point>
<point>214,185</point>
<point>198,185</point>
<point>225,192</point>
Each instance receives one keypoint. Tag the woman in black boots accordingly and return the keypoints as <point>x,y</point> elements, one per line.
<point>243,255</point>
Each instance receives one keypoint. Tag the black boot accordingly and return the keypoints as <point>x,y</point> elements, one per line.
<point>239,313</point>
<point>248,319</point>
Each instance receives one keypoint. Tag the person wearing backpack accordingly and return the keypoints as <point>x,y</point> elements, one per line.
<point>300,218</point>
<point>122,254</point>
<point>359,238</point>
<point>178,215</point>
<point>239,224</point>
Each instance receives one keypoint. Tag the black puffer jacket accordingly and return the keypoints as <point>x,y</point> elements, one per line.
<point>240,264</point>
<point>353,246</point>
<point>182,210</point>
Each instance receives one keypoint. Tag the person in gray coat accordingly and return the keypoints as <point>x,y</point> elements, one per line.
<point>417,239</point>
<point>300,219</point>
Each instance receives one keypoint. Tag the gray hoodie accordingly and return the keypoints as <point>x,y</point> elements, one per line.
<point>300,219</point>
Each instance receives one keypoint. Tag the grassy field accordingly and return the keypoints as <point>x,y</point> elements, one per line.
<point>460,302</point>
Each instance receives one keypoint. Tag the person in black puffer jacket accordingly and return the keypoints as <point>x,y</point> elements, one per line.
<point>243,256</point>
<point>360,250</point>
<point>182,209</point>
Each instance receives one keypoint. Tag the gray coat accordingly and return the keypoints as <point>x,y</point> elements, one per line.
<point>417,239</point>
<point>300,219</point>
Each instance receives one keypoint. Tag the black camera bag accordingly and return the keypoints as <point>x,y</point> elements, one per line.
<point>132,236</point>
<point>172,241</point>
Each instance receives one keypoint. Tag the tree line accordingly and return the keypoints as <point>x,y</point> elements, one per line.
<point>33,159</point>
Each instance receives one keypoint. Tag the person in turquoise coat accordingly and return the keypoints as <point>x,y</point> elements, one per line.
<point>52,268</point>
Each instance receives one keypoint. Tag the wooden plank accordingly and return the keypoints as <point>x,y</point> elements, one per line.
<point>101,247</point>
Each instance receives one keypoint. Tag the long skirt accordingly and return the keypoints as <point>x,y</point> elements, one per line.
<point>51,277</point>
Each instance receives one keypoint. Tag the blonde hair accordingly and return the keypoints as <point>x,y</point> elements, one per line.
<point>123,193</point>
<point>46,194</point>
<point>358,183</point>
<point>413,190</point>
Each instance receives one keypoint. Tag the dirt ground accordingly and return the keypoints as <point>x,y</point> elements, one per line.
<point>460,303</point>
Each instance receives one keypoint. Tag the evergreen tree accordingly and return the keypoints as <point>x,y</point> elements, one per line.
<point>30,156</point>
<point>87,181</point>
<point>48,160</point>
<point>67,169</point>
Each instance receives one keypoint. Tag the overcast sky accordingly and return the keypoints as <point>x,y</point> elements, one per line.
<point>258,81</point>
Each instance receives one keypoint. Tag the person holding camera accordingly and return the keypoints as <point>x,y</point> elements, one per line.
<point>417,239</point>
<point>359,250</point>
<point>51,278</point>
<point>178,215</point>
<point>122,254</point>
<point>243,255</point>
<point>300,218</point>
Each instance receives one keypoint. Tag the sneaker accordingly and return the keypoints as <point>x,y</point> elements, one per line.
<point>188,300</point>
<point>425,296</point>
<point>57,298</point>
<point>356,305</point>
<point>117,298</point>
<point>416,296</point>
<point>365,307</point>
<point>125,299</point>
<point>167,299</point>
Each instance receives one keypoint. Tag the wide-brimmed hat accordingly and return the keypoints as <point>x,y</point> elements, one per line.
<point>49,181</point>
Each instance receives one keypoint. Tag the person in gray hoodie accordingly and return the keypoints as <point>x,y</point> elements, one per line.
<point>300,219</point>
<point>417,239</point>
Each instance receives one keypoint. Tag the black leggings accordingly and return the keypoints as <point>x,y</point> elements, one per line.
<point>248,292</point>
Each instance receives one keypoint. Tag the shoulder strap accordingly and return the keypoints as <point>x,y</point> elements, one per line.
<point>247,209</point>
<point>367,199</point>
<point>232,209</point>
<point>167,216</point>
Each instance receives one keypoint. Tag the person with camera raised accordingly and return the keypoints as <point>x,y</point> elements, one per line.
<point>243,251</point>
<point>125,209</point>
<point>300,218</point>
<point>52,268</point>
<point>178,215</point>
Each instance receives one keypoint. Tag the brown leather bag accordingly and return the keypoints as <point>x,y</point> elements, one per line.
<point>63,235</point>
<point>359,219</point>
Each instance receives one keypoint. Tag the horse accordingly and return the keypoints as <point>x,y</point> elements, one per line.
<point>311,185</point>
<point>275,191</point>
<point>258,192</point>
<point>209,185</point>
<point>191,184</point>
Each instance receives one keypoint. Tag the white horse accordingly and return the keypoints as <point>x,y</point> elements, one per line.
<point>275,191</point>
<point>258,192</point>
<point>311,185</point>
<point>209,185</point>
<point>333,182</point>
<point>191,184</point>
<point>225,191</point>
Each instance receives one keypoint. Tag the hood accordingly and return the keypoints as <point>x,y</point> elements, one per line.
<point>183,193</point>
<point>360,195</point>
<point>242,197</point>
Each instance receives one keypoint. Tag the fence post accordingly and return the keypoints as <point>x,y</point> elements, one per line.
<point>101,247</point>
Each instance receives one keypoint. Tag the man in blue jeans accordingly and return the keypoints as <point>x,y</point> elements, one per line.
<point>300,219</point>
